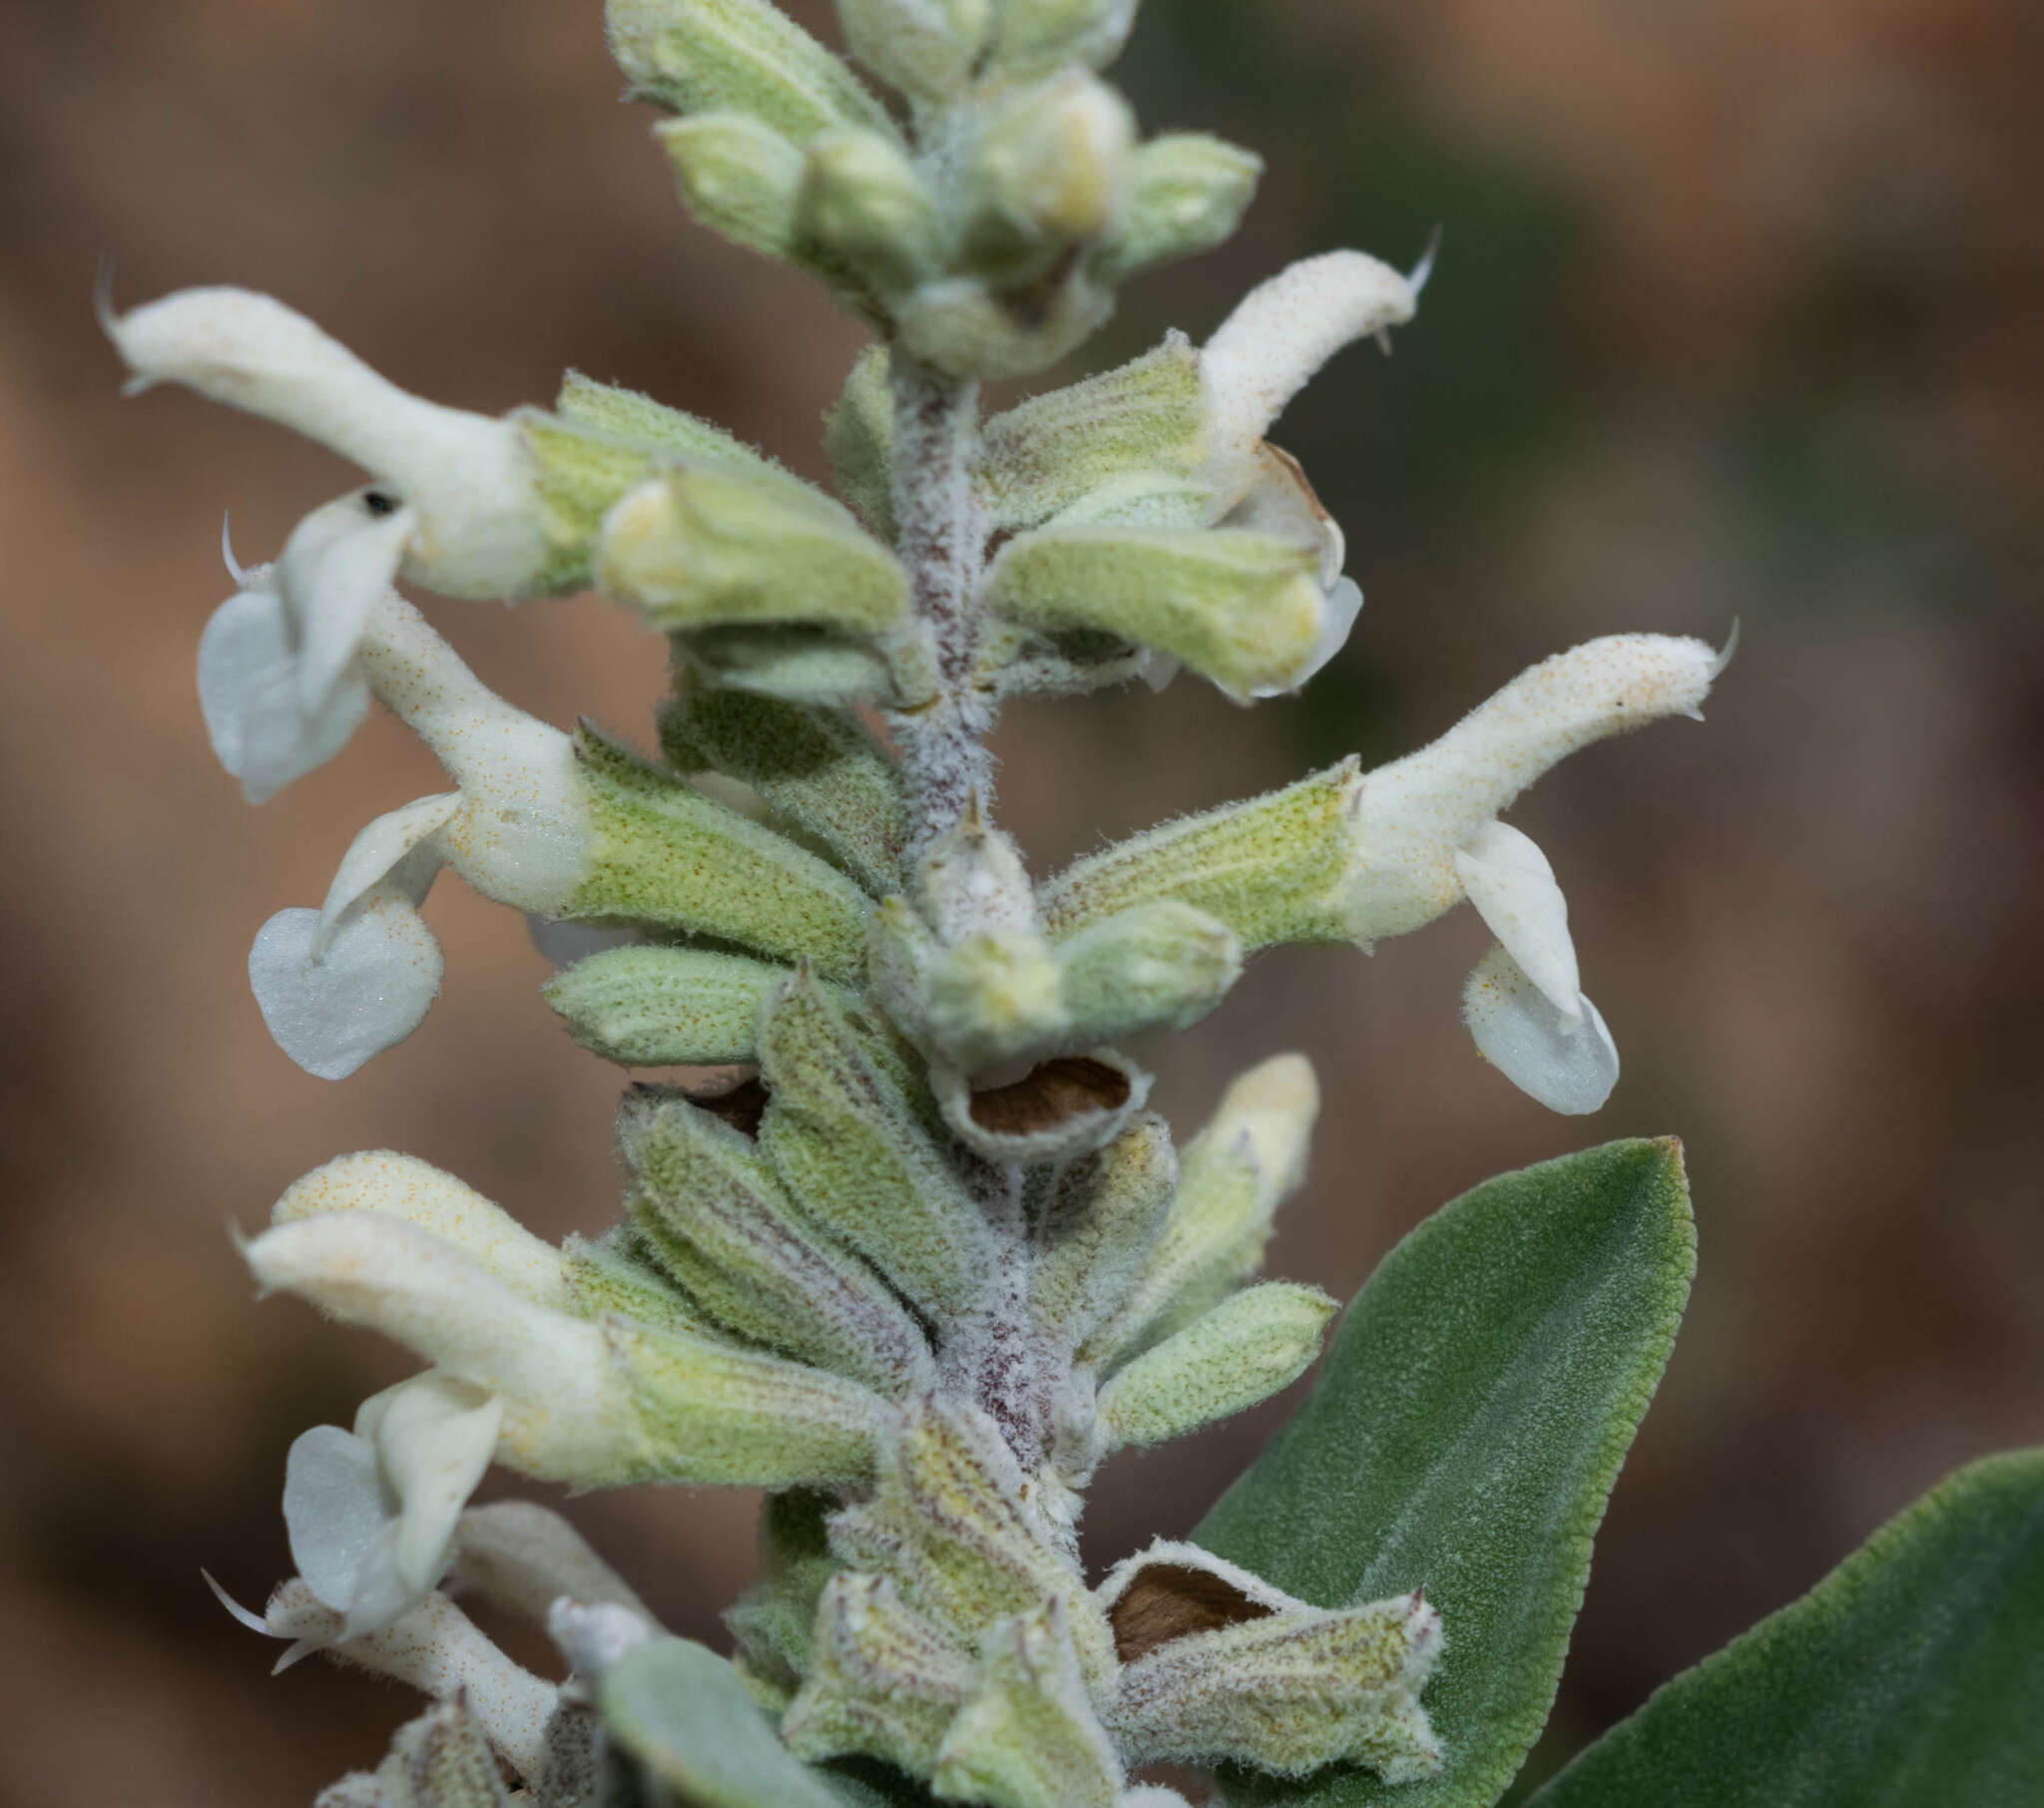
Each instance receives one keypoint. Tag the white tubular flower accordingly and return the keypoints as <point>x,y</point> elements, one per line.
<point>343,983</point>
<point>371,1512</point>
<point>464,483</point>
<point>567,1410</point>
<point>1427,836</point>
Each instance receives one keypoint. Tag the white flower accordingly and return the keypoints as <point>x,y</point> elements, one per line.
<point>1427,837</point>
<point>339,984</point>
<point>371,1512</point>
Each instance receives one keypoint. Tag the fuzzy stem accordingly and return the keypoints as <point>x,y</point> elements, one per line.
<point>942,541</point>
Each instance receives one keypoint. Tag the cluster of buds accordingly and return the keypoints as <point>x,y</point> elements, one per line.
<point>928,1260</point>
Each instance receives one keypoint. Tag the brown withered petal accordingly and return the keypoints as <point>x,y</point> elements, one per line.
<point>1168,1601</point>
<point>1046,1096</point>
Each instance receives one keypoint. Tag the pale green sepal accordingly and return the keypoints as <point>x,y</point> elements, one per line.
<point>822,770</point>
<point>882,1680</point>
<point>1244,1350</point>
<point>694,549</point>
<point>1096,1228</point>
<point>633,420</point>
<point>802,665</point>
<point>857,1156</point>
<point>711,1413</point>
<point>659,1007</point>
<point>745,55</point>
<point>738,176</point>
<point>1245,610</point>
<point>711,1212</point>
<point>1909,1676</point>
<point>665,854</point>
<point>1039,34</point>
<point>1233,1177</point>
<point>1060,1109</point>
<point>685,1714</point>
<point>869,207</point>
<point>858,438</point>
<point>1160,966</point>
<point>615,1275</point>
<point>960,327</point>
<point>1470,1416</point>
<point>1270,868</point>
<point>1142,499</point>
<point>1187,194</point>
<point>1046,454</point>
<point>774,1620</point>
<point>1291,1692</point>
<point>948,1525</point>
<point>442,1760</point>
<point>1028,1737</point>
<point>974,879</point>
<point>925,48</point>
<point>902,952</point>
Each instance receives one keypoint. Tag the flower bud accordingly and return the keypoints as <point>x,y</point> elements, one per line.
<point>866,204</point>
<point>964,329</point>
<point>653,1006</point>
<point>694,549</point>
<point>737,176</point>
<point>1028,1736</point>
<point>1187,192</point>
<point>1243,1351</point>
<point>882,1682</point>
<point>1233,1177</point>
<point>712,1213</point>
<point>1160,966</point>
<point>745,56</point>
<point>664,853</point>
<point>860,1157</point>
<point>803,663</point>
<point>925,48</point>
<point>1049,170</point>
<point>1040,34</point>
<point>994,997</point>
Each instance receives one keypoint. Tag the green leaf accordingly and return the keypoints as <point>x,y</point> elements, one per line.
<point>685,1714</point>
<point>1469,1420</point>
<point>1909,1677</point>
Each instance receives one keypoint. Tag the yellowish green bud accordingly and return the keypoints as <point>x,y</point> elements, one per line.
<point>1039,34</point>
<point>745,56</point>
<point>737,176</point>
<point>858,438</point>
<point>1242,608</point>
<point>860,1157</point>
<point>1148,417</point>
<point>714,1215</point>
<point>1028,1737</point>
<point>947,1523</point>
<point>1157,966</point>
<point>925,48</point>
<point>973,880</point>
<point>1233,1177</point>
<point>1291,1692</point>
<point>866,204</point>
<point>1049,170</point>
<point>665,854</point>
<point>882,1681</point>
<point>797,662</point>
<point>694,548</point>
<point>994,997</point>
<point>1272,868</point>
<point>1187,192</point>
<point>820,770</point>
<point>1096,1228</point>
<point>1246,1349</point>
<point>657,1006</point>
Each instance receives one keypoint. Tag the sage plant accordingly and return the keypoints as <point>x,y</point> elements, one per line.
<point>931,1261</point>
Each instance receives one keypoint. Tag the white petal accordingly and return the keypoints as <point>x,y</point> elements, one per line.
<point>596,1637</point>
<point>1568,1066</point>
<point>376,853</point>
<point>1516,893</point>
<point>1284,330</point>
<point>335,1506</point>
<point>334,571</point>
<point>1281,502</point>
<point>1155,668</point>
<point>1338,611</point>
<point>566,943</point>
<point>368,991</point>
<point>433,1437</point>
<point>249,691</point>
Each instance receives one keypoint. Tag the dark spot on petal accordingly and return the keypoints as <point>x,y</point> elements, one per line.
<point>379,504</point>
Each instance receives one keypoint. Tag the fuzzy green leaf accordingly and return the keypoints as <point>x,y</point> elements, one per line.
<point>1469,1420</point>
<point>684,1713</point>
<point>1909,1677</point>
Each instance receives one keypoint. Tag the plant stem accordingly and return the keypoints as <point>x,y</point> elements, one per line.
<point>941,539</point>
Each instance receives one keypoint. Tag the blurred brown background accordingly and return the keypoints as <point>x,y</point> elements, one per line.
<point>1740,313</point>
